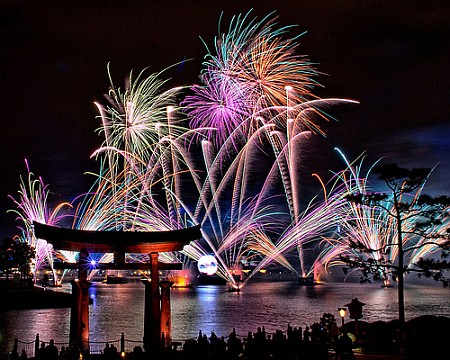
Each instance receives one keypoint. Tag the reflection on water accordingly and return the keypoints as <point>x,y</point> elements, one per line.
<point>119,308</point>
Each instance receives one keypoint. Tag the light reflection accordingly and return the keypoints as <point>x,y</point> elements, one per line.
<point>119,308</point>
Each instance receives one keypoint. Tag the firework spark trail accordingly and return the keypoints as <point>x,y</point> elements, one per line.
<point>209,192</point>
<point>166,159</point>
<point>341,185</point>
<point>286,148</point>
<point>230,177</point>
<point>231,173</point>
<point>158,170</point>
<point>368,226</point>
<point>313,224</point>
<point>32,205</point>
<point>224,243</point>
<point>300,233</point>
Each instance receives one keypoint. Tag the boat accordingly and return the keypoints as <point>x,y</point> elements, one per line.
<point>233,289</point>
<point>113,279</point>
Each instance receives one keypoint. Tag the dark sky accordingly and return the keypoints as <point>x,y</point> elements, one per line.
<point>392,56</point>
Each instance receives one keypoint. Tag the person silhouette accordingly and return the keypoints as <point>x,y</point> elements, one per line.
<point>51,351</point>
<point>45,281</point>
<point>40,353</point>
<point>23,355</point>
<point>345,347</point>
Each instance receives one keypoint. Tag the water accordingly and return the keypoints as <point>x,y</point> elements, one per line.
<point>119,308</point>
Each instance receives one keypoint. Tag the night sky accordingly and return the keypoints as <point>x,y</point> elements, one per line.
<point>392,56</point>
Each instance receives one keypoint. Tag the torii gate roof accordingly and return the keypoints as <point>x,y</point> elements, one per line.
<point>110,241</point>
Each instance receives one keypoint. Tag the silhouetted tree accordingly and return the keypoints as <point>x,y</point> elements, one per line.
<point>24,254</point>
<point>435,268</point>
<point>7,256</point>
<point>404,203</point>
<point>16,255</point>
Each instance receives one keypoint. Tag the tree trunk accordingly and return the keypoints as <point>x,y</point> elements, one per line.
<point>400,273</point>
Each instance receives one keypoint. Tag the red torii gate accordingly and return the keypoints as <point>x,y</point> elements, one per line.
<point>156,305</point>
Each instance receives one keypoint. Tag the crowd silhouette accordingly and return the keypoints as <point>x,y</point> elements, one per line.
<point>294,343</point>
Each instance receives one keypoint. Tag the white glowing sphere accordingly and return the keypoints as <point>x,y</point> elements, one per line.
<point>207,264</point>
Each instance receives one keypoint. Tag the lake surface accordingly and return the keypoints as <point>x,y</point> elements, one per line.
<point>119,308</point>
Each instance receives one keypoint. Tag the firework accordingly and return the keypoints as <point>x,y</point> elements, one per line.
<point>375,229</point>
<point>248,74</point>
<point>33,205</point>
<point>236,169</point>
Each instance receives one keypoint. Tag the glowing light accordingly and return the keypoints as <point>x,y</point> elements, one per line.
<point>207,264</point>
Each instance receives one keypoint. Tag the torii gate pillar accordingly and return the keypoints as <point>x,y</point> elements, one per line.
<point>79,315</point>
<point>152,310</point>
<point>166,318</point>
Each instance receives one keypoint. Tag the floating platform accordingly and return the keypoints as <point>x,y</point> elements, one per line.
<point>203,279</point>
<point>307,281</point>
<point>187,286</point>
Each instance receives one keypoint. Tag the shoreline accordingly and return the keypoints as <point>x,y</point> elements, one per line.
<point>19,298</point>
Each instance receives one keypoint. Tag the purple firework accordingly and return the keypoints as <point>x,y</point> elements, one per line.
<point>219,110</point>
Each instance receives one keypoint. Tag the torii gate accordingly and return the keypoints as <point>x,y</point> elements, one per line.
<point>156,307</point>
